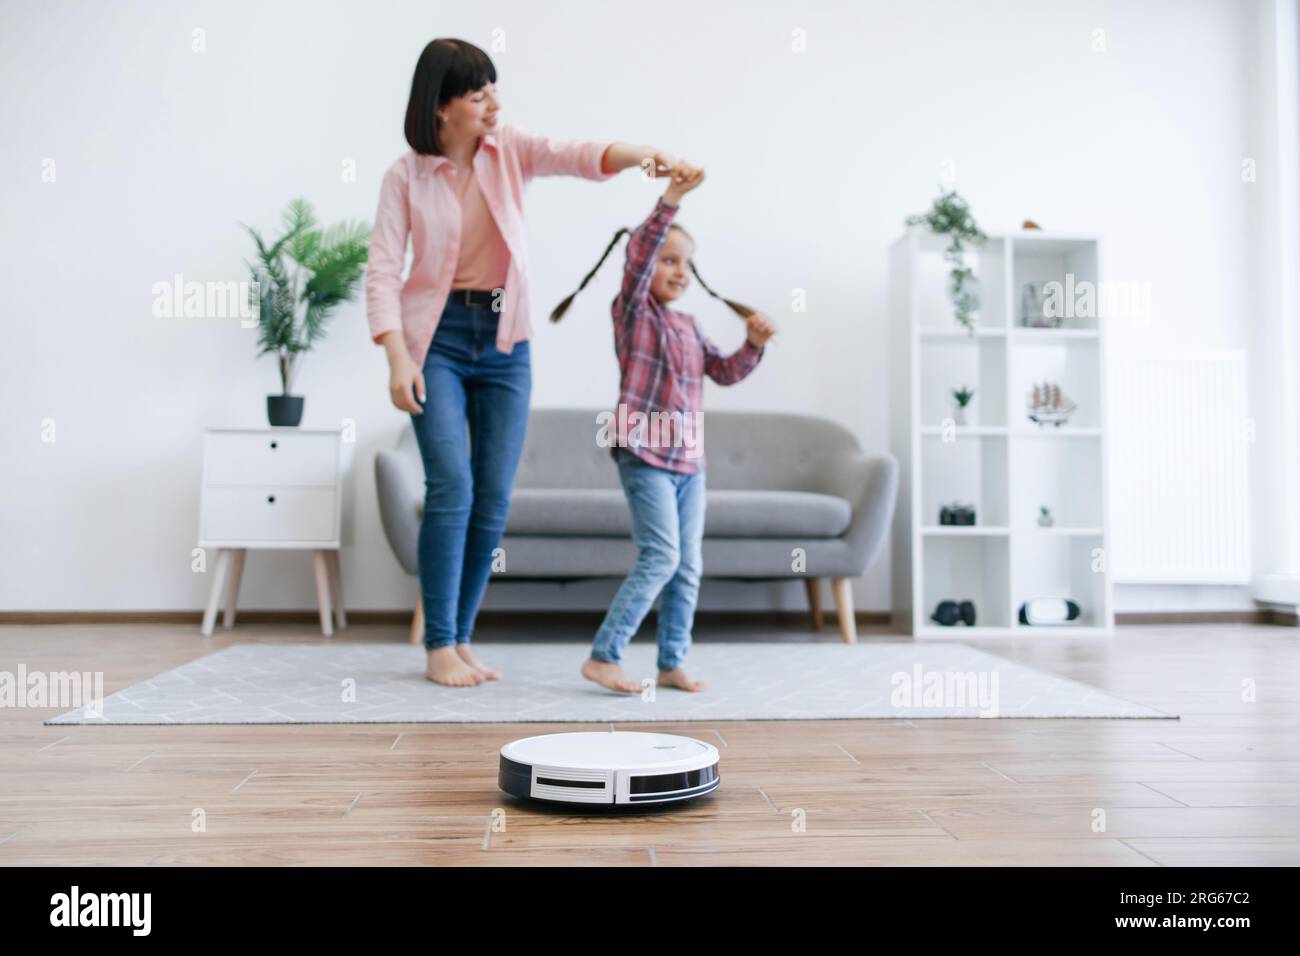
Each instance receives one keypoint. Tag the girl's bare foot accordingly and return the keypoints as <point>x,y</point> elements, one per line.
<point>609,675</point>
<point>677,677</point>
<point>466,655</point>
<point>446,667</point>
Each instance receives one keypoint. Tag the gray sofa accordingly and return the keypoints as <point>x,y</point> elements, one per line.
<point>776,483</point>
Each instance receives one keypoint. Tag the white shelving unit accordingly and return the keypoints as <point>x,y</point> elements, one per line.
<point>1000,461</point>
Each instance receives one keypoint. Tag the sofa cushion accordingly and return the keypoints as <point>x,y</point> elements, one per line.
<point>775,514</point>
<point>601,512</point>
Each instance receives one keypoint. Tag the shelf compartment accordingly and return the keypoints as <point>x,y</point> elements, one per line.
<point>971,569</point>
<point>979,363</point>
<point>934,307</point>
<point>1070,362</point>
<point>1065,476</point>
<point>1071,262</point>
<point>971,470</point>
<point>1056,566</point>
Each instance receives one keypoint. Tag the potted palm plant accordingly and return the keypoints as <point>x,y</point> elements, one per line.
<point>299,280</point>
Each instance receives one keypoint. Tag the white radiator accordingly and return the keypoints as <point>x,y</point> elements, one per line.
<point>1179,496</point>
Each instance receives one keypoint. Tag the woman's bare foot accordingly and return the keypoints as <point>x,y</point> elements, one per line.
<point>677,677</point>
<point>609,675</point>
<point>466,655</point>
<point>446,667</point>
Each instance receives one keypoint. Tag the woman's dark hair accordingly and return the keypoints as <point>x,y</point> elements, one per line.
<point>557,313</point>
<point>446,69</point>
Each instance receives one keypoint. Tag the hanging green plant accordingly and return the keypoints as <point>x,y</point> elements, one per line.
<point>950,216</point>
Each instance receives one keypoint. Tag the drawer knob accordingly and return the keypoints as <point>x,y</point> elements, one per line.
<point>275,444</point>
<point>270,499</point>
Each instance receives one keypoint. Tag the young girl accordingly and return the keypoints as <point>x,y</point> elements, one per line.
<point>662,357</point>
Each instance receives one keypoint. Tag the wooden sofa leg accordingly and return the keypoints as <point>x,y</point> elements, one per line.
<point>844,608</point>
<point>417,622</point>
<point>814,600</point>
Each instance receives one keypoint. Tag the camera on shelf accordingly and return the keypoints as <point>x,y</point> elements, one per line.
<point>957,513</point>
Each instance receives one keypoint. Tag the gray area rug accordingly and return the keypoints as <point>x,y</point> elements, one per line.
<point>384,683</point>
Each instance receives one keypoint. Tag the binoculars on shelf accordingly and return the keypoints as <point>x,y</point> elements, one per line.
<point>949,613</point>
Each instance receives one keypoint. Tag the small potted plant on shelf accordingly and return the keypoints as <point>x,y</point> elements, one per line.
<point>300,279</point>
<point>950,216</point>
<point>961,398</point>
<point>1045,519</point>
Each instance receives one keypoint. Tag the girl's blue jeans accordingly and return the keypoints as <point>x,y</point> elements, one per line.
<point>667,529</point>
<point>471,434</point>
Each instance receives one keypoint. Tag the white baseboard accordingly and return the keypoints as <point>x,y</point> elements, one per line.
<point>1278,589</point>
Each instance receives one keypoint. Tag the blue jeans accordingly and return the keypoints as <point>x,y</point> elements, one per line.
<point>667,529</point>
<point>468,472</point>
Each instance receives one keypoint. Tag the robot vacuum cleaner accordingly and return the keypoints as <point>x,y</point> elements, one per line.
<point>612,769</point>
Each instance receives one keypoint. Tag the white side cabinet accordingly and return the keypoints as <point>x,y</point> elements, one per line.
<point>272,488</point>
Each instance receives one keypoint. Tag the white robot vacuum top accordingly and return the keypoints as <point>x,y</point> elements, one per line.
<point>617,768</point>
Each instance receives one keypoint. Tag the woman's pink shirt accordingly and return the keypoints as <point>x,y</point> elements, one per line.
<point>419,199</point>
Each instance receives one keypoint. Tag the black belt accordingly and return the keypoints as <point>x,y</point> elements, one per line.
<point>475,298</point>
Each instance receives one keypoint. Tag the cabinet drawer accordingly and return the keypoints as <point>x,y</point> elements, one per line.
<point>259,458</point>
<point>268,513</point>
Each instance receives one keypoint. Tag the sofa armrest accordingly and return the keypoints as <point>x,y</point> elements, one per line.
<point>870,484</point>
<point>400,491</point>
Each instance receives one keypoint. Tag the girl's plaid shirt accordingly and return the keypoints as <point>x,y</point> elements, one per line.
<point>663,356</point>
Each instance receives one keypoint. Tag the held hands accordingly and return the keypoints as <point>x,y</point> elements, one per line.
<point>758,329</point>
<point>664,164</point>
<point>658,161</point>
<point>685,178</point>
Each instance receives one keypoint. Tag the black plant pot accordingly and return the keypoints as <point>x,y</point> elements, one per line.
<point>284,409</point>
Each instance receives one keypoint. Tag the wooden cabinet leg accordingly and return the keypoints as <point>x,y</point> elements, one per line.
<point>417,621</point>
<point>814,600</point>
<point>323,592</point>
<point>232,593</point>
<point>214,596</point>
<point>336,589</point>
<point>843,589</point>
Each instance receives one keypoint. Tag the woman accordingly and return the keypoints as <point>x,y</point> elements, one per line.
<point>456,330</point>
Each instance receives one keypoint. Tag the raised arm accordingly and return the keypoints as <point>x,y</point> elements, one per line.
<point>647,239</point>
<point>620,156</point>
<point>595,159</point>
<point>544,156</point>
<point>643,247</point>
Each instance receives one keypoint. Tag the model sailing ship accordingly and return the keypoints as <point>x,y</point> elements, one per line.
<point>1048,405</point>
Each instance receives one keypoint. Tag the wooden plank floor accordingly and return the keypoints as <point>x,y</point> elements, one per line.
<point>1219,787</point>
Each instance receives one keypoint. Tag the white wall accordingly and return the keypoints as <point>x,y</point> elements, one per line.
<point>814,159</point>
<point>1275,365</point>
